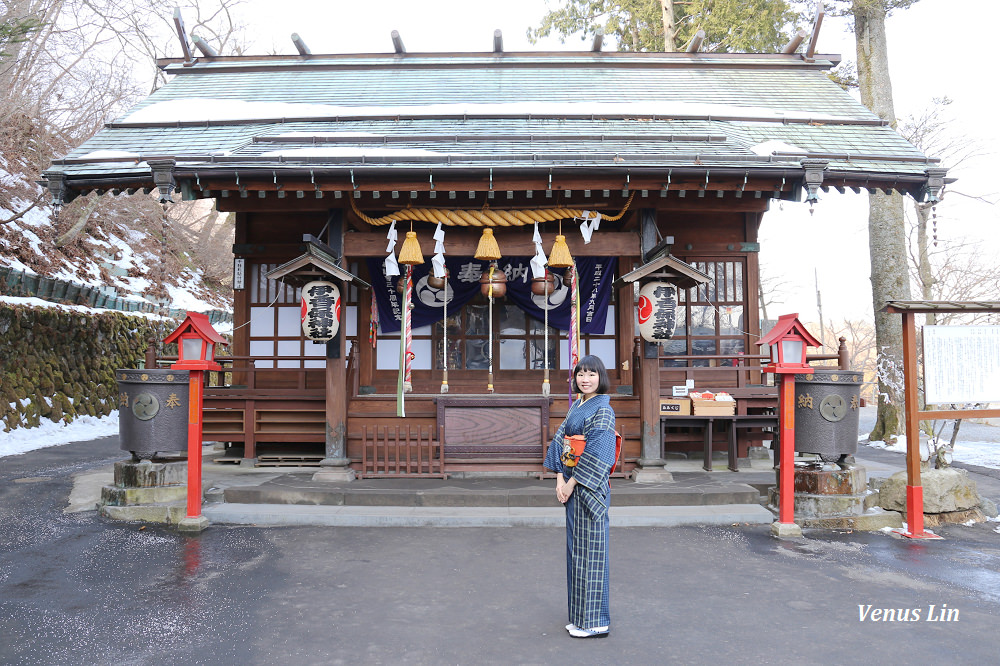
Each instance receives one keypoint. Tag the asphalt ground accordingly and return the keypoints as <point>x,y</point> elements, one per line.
<point>77,589</point>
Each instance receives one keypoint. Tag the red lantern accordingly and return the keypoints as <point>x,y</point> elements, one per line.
<point>657,310</point>
<point>320,310</point>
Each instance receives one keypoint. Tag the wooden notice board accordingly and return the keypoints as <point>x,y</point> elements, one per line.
<point>494,427</point>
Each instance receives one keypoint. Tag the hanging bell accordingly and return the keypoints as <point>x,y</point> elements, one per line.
<point>494,280</point>
<point>435,282</point>
<point>560,256</point>
<point>409,253</point>
<point>488,250</point>
<point>543,286</point>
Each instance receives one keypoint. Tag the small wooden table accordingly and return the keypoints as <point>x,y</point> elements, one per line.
<point>707,423</point>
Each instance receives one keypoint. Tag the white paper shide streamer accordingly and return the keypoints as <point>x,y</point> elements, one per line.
<point>590,222</point>
<point>539,261</point>
<point>437,261</point>
<point>391,267</point>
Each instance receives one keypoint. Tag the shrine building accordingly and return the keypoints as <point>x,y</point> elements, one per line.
<point>610,171</point>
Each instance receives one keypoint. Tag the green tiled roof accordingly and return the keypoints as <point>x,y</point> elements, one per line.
<point>525,112</point>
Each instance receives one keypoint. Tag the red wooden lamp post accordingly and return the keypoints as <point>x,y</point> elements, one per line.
<point>788,340</point>
<point>196,341</point>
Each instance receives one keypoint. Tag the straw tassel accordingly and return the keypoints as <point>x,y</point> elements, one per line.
<point>488,250</point>
<point>574,326</point>
<point>560,256</point>
<point>410,254</point>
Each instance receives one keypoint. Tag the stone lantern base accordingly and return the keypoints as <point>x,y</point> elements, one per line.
<point>148,491</point>
<point>829,496</point>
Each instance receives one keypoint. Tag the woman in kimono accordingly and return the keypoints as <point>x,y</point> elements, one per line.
<point>585,491</point>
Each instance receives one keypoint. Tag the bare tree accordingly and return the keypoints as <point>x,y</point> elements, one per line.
<point>945,269</point>
<point>859,338</point>
<point>771,290</point>
<point>82,63</point>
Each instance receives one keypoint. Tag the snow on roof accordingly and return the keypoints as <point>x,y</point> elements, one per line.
<point>321,135</point>
<point>770,147</point>
<point>349,151</point>
<point>216,110</point>
<point>96,155</point>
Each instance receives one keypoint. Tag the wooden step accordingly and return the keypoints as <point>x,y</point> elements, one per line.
<point>288,460</point>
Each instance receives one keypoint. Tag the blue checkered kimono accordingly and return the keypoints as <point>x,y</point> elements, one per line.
<point>587,532</point>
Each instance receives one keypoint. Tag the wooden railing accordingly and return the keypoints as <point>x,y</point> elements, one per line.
<point>245,368</point>
<point>740,375</point>
<point>395,453</point>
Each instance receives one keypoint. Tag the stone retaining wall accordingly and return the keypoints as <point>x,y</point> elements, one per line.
<point>57,365</point>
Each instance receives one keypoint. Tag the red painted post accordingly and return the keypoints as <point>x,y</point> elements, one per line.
<point>196,343</point>
<point>914,488</point>
<point>786,461</point>
<point>788,340</point>
<point>196,385</point>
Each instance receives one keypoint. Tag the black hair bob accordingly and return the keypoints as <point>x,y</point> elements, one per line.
<point>593,364</point>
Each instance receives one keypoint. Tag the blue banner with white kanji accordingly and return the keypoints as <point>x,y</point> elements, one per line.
<point>594,282</point>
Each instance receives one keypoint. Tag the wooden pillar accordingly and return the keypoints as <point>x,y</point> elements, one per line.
<point>335,466</point>
<point>625,331</point>
<point>366,355</point>
<point>241,306</point>
<point>651,461</point>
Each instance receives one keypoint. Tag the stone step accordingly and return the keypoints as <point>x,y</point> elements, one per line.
<point>118,496</point>
<point>395,516</point>
<point>295,489</point>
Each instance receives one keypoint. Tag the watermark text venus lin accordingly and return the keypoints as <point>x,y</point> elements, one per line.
<point>933,613</point>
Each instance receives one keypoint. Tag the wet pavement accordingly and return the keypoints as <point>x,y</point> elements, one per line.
<point>78,589</point>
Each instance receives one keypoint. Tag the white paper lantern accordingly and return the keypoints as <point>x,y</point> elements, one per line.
<point>657,311</point>
<point>320,310</point>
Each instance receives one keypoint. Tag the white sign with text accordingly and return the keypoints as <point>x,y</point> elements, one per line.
<point>961,364</point>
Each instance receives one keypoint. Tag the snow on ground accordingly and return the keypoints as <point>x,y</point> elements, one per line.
<point>984,454</point>
<point>84,428</point>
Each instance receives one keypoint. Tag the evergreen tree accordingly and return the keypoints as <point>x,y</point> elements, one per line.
<point>757,26</point>
<point>15,31</point>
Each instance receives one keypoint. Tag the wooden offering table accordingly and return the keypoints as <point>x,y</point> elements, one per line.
<point>707,424</point>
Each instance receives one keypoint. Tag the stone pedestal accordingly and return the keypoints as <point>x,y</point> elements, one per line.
<point>188,524</point>
<point>785,530</point>
<point>334,470</point>
<point>148,491</point>
<point>651,474</point>
<point>829,496</point>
